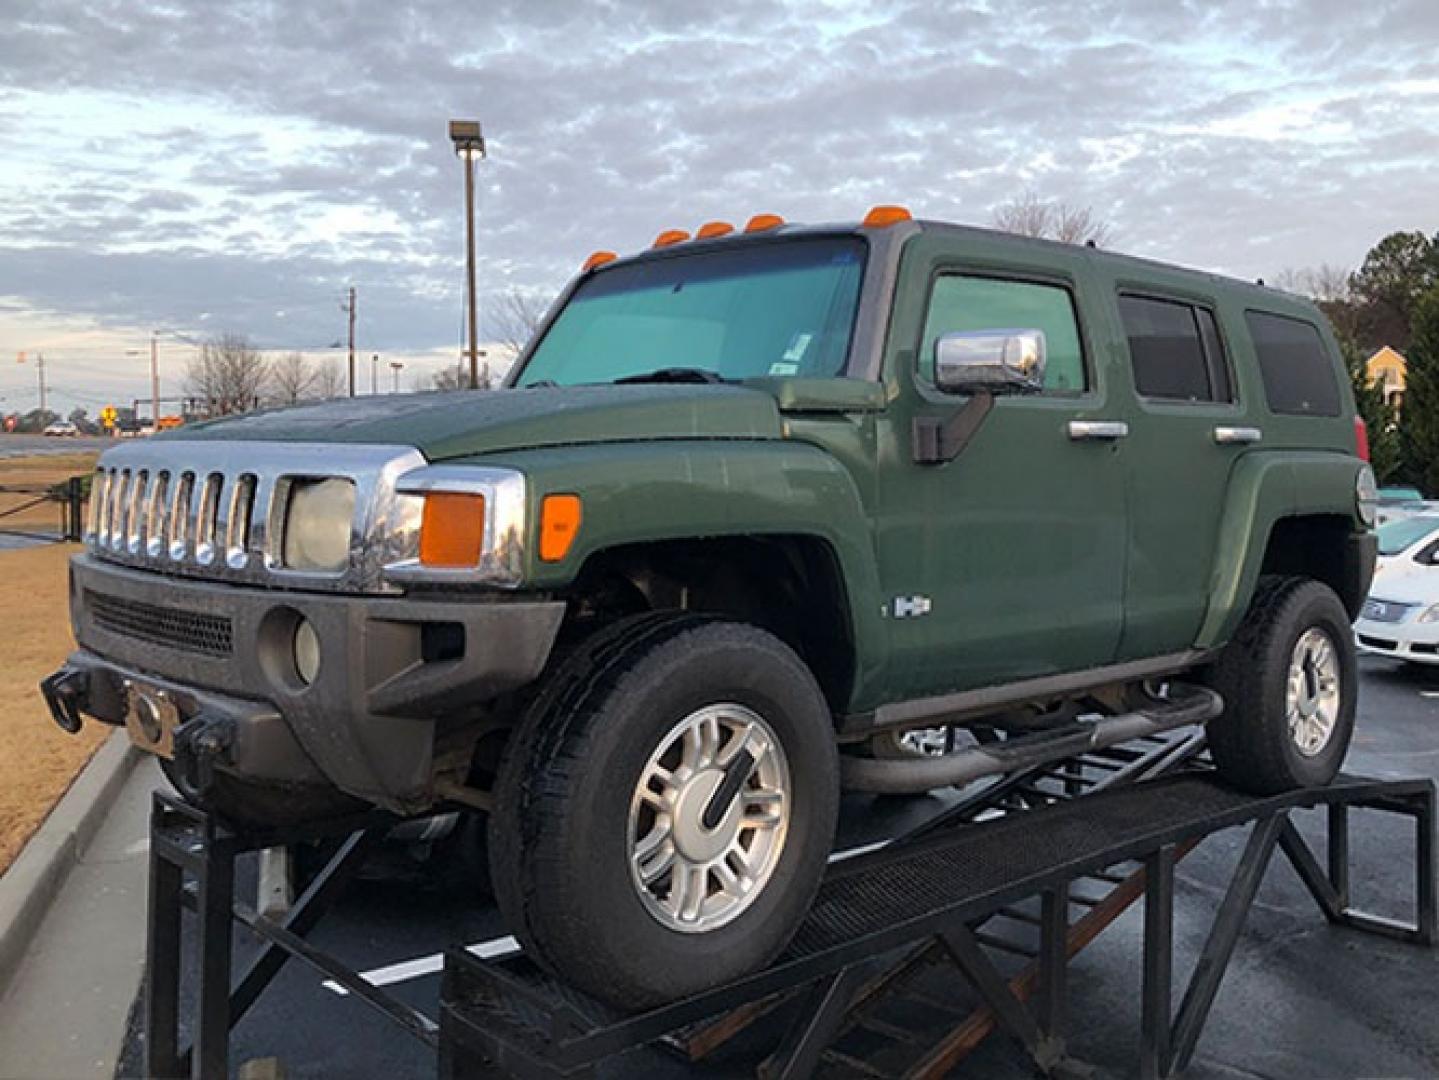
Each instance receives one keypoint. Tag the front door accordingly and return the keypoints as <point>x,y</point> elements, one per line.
<point>1008,561</point>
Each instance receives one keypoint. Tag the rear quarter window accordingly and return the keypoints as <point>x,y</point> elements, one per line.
<point>1297,370</point>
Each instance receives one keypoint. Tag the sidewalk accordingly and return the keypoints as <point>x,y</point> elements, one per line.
<point>64,1013</point>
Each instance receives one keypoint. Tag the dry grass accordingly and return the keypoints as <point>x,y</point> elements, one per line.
<point>32,471</point>
<point>38,761</point>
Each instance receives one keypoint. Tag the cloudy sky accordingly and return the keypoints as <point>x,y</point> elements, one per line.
<point>211,166</point>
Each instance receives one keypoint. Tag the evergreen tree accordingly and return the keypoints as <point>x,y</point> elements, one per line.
<point>1378,415</point>
<point>1419,425</point>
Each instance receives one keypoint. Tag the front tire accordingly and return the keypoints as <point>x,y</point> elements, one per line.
<point>1289,680</point>
<point>664,812</point>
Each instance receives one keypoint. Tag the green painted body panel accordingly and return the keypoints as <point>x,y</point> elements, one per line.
<point>635,492</point>
<point>1265,488</point>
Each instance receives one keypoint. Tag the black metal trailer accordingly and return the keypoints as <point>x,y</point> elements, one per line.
<point>997,893</point>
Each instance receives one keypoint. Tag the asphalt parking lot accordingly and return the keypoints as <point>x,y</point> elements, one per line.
<point>1302,999</point>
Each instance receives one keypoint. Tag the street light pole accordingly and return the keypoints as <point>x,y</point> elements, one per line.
<point>395,367</point>
<point>470,144</point>
<point>374,372</point>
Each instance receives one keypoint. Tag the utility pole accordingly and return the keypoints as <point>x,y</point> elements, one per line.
<point>470,144</point>
<point>374,372</point>
<point>40,366</point>
<point>155,378</point>
<point>395,367</point>
<point>350,307</point>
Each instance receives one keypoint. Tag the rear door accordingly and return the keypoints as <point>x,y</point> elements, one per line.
<point>1186,429</point>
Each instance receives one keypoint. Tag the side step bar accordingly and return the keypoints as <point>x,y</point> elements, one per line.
<point>1188,705</point>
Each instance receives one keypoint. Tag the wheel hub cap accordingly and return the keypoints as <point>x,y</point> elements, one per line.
<point>1312,699</point>
<point>708,818</point>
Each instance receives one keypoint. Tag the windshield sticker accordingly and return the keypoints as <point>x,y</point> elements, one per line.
<point>783,367</point>
<point>798,344</point>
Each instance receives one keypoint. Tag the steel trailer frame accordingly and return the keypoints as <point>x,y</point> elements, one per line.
<point>503,1017</point>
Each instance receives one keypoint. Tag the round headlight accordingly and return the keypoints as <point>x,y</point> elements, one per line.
<point>317,524</point>
<point>307,651</point>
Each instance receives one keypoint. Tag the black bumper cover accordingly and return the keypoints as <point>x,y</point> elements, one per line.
<point>393,671</point>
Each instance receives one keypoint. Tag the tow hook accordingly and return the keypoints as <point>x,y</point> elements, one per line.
<point>65,693</point>
<point>199,743</point>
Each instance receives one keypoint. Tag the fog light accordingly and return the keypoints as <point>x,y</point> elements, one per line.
<point>307,651</point>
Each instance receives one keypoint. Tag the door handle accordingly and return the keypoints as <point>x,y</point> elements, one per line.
<point>1097,429</point>
<point>1230,436</point>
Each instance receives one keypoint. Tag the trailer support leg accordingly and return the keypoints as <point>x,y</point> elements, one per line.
<point>821,1016</point>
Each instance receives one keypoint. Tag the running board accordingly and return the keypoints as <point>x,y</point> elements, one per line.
<point>1188,705</point>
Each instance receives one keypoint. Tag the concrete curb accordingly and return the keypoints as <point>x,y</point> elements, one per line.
<point>40,870</point>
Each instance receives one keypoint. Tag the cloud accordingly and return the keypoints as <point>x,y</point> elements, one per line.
<point>250,158</point>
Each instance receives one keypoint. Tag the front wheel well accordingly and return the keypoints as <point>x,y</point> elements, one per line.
<point>790,585</point>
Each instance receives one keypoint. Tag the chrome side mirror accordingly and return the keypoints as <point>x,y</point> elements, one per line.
<point>998,361</point>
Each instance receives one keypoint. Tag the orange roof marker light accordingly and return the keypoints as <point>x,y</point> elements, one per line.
<point>763,222</point>
<point>881,217</point>
<point>598,258</point>
<point>713,228</point>
<point>670,236</point>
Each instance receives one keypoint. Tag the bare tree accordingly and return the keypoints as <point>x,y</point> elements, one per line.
<point>329,381</point>
<point>291,378</point>
<point>516,317</point>
<point>452,377</point>
<point>228,375</point>
<point>1029,215</point>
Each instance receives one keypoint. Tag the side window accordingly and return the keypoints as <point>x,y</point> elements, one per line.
<point>1175,350</point>
<point>1298,374</point>
<point>960,303</point>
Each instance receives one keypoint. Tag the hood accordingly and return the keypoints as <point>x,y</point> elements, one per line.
<point>464,422</point>
<point>1405,581</point>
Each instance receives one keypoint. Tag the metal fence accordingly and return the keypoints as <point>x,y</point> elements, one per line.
<point>68,496</point>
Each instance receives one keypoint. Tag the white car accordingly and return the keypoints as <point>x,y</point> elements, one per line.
<point>1400,619</point>
<point>62,428</point>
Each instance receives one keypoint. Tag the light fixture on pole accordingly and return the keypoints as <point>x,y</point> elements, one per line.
<point>469,145</point>
<point>374,372</point>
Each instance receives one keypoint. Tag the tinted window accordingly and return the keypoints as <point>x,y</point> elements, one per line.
<point>960,303</point>
<point>1298,376</point>
<point>1175,350</point>
<point>764,309</point>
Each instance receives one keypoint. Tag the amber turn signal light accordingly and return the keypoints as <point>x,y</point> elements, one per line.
<point>763,222</point>
<point>559,525</point>
<point>670,236</point>
<point>713,228</point>
<point>880,217</point>
<point>452,529</point>
<point>598,258</point>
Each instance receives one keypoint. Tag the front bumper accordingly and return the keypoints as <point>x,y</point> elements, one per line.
<point>393,671</point>
<point>1399,641</point>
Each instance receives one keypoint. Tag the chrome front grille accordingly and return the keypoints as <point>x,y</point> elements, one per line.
<point>215,509</point>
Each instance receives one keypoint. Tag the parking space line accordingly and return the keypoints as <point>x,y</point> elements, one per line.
<point>418,968</point>
<point>427,965</point>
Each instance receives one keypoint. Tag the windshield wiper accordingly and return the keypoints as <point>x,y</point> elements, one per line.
<point>674,375</point>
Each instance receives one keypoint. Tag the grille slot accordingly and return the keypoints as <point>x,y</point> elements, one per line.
<point>191,631</point>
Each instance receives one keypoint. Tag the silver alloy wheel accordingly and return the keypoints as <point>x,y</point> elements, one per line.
<point>1312,699</point>
<point>695,876</point>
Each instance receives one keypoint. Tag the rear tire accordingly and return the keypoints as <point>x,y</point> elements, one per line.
<point>1290,686</point>
<point>618,757</point>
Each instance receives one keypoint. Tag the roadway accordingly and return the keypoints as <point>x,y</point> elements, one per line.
<point>12,445</point>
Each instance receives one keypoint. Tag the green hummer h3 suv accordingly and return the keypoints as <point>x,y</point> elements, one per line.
<point>753,513</point>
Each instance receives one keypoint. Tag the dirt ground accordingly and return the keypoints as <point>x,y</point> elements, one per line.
<point>38,761</point>
<point>34,471</point>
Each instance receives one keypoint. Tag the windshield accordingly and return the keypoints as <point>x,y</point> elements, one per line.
<point>1395,536</point>
<point>782,308</point>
